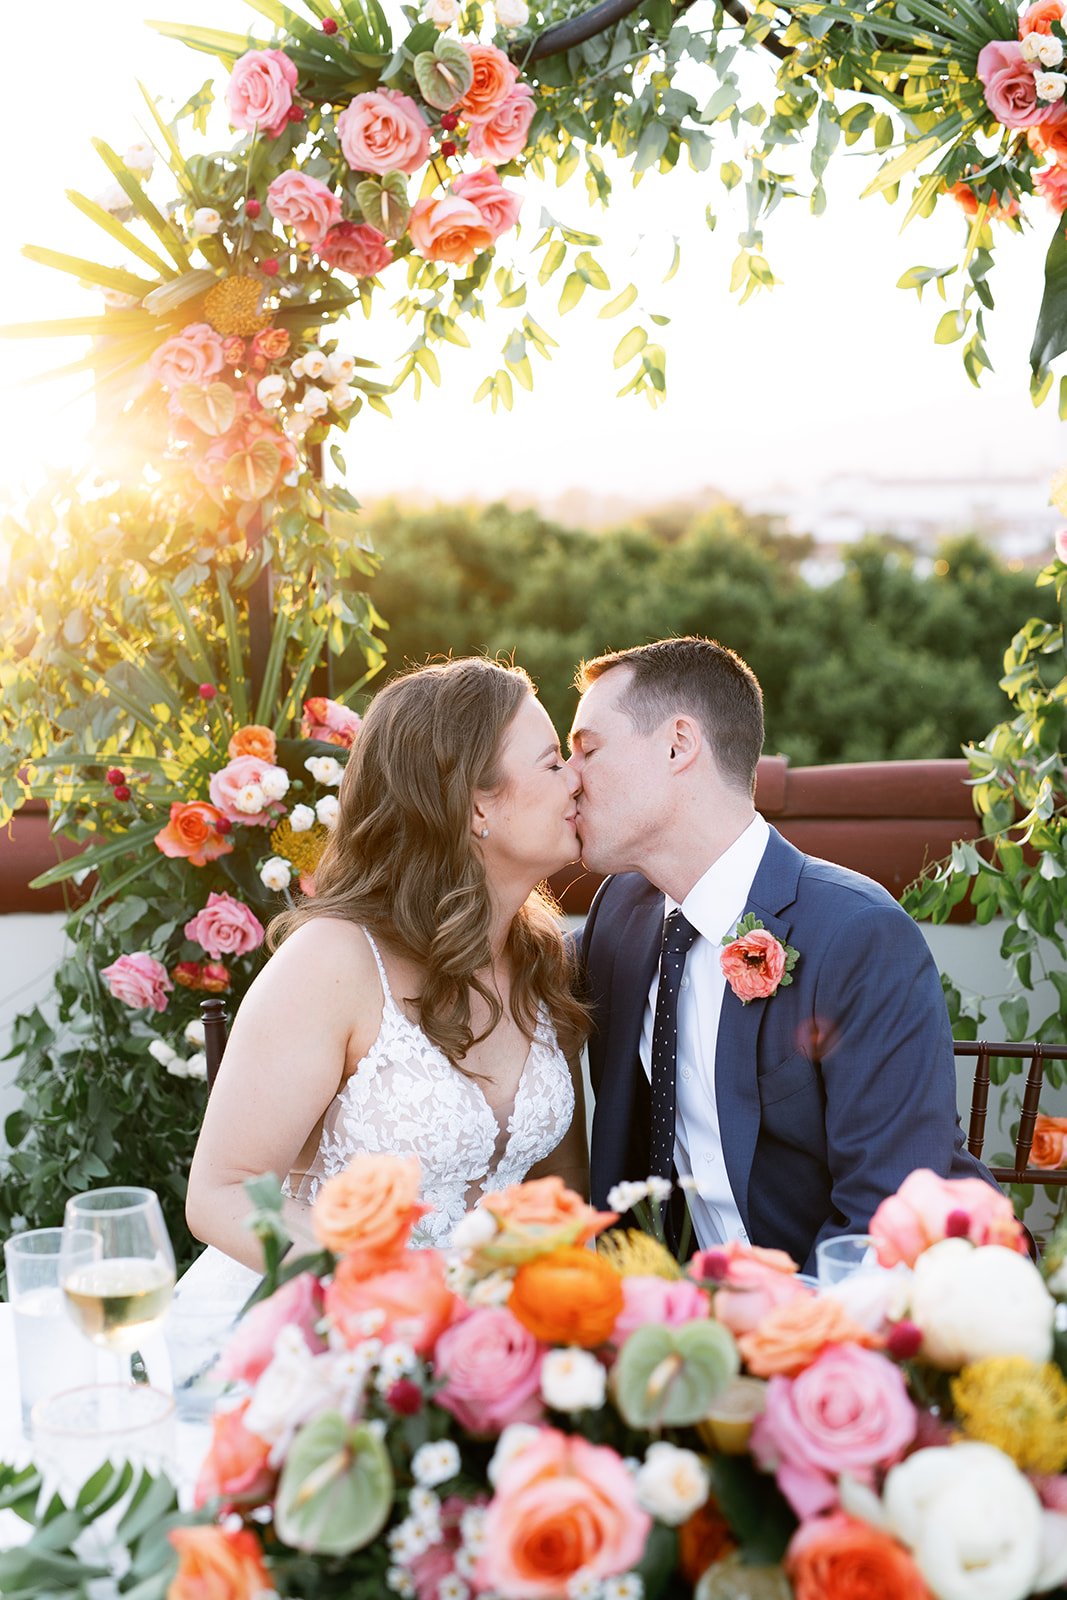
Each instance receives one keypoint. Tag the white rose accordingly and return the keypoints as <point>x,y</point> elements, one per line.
<point>117,301</point>
<point>290,1390</point>
<point>160,1051</point>
<point>206,220</point>
<point>301,818</point>
<point>141,158</point>
<point>972,1303</point>
<point>194,1033</point>
<point>339,369</point>
<point>671,1483</point>
<point>512,13</point>
<point>251,799</point>
<point>275,873</point>
<point>325,770</point>
<point>1050,85</point>
<point>342,396</point>
<point>116,201</point>
<point>326,810</point>
<point>270,391</point>
<point>514,1439</point>
<point>177,1067</point>
<point>435,1463</point>
<point>314,364</point>
<point>1031,46</point>
<point>316,402</point>
<point>1049,50</point>
<point>477,1227</point>
<point>275,783</point>
<point>573,1380</point>
<point>442,13</point>
<point>196,1066</point>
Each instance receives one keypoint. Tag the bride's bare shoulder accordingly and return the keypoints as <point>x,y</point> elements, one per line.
<point>326,948</point>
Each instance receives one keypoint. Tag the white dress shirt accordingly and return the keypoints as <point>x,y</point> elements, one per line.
<point>714,906</point>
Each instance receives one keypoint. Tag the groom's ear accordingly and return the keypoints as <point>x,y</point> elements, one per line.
<point>686,742</point>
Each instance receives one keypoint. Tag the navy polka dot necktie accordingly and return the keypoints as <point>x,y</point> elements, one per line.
<point>678,936</point>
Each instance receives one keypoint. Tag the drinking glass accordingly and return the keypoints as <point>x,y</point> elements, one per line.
<point>844,1256</point>
<point>122,1297</point>
<point>49,1352</point>
<point>77,1430</point>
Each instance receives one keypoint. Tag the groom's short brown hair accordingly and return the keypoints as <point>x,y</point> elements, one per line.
<point>702,678</point>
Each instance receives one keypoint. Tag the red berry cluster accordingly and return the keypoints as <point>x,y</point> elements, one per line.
<point>329,25</point>
<point>449,121</point>
<point>117,779</point>
<point>449,147</point>
<point>252,208</point>
<point>269,268</point>
<point>207,691</point>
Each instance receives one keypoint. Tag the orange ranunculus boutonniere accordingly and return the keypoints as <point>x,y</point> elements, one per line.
<point>755,963</point>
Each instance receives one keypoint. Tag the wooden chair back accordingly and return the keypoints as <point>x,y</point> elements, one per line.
<point>215,1018</point>
<point>982,1052</point>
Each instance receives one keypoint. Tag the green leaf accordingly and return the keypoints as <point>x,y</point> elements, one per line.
<point>91,271</point>
<point>952,326</point>
<point>908,159</point>
<point>553,260</point>
<point>629,346</point>
<point>120,234</point>
<point>573,289</point>
<point>621,302</point>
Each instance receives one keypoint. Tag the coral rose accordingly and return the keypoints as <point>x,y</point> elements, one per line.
<point>491,1371</point>
<point>569,1297</point>
<point>218,1564</point>
<point>561,1507</point>
<point>840,1558</point>
<point>1046,141</point>
<point>791,1336</point>
<point>260,91</point>
<point>996,210</point>
<point>192,356</point>
<point>449,229</point>
<point>1051,185</point>
<point>139,981</point>
<point>1039,18</point>
<point>253,740</point>
<point>329,721</point>
<point>225,927</point>
<point>753,1280</point>
<point>367,1211</point>
<point>233,783</point>
<point>499,207</point>
<point>383,131</point>
<point>357,248</point>
<point>304,204</point>
<point>754,965</point>
<point>546,1205</point>
<point>910,1221</point>
<point>492,82</point>
<point>503,136</point>
<point>270,344</point>
<point>236,1467</point>
<point>297,1304</point>
<point>1009,87</point>
<point>407,1304</point>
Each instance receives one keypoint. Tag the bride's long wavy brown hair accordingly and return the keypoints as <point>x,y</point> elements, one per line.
<point>402,859</point>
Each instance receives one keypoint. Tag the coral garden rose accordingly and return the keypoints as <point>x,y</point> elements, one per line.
<point>193,833</point>
<point>562,1506</point>
<point>492,82</point>
<point>569,1297</point>
<point>659,1300</point>
<point>407,1304</point>
<point>1048,141</point>
<point>546,1206</point>
<point>996,209</point>
<point>229,788</point>
<point>448,229</point>
<point>491,1371</point>
<point>1010,89</point>
<point>304,204</point>
<point>1051,185</point>
<point>217,1564</point>
<point>260,91</point>
<point>192,356</point>
<point>270,344</point>
<point>225,927</point>
<point>841,1558</point>
<point>253,740</point>
<point>973,1303</point>
<point>503,136</point>
<point>236,1468</point>
<point>753,1280</point>
<point>329,721</point>
<point>919,1215</point>
<point>357,248</point>
<point>499,207</point>
<point>297,1304</point>
<point>1039,18</point>
<point>367,1211</point>
<point>208,977</point>
<point>138,980</point>
<point>754,965</point>
<point>791,1336</point>
<point>383,131</point>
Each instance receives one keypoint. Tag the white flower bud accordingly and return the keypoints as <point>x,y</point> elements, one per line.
<point>315,402</point>
<point>1049,50</point>
<point>512,13</point>
<point>296,424</point>
<point>275,783</point>
<point>339,369</point>
<point>140,158</point>
<point>671,1483</point>
<point>115,201</point>
<point>196,1066</point>
<point>325,770</point>
<point>435,1463</point>
<point>160,1051</point>
<point>270,391</point>
<point>477,1227</point>
<point>177,1067</point>
<point>342,397</point>
<point>275,873</point>
<point>442,13</point>
<point>301,818</point>
<point>1030,46</point>
<point>194,1033</point>
<point>206,220</point>
<point>314,364</point>
<point>297,368</point>
<point>326,810</point>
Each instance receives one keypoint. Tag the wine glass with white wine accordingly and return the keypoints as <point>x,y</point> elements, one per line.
<point>122,1297</point>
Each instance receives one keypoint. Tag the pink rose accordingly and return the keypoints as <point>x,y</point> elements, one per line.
<point>383,131</point>
<point>927,1209</point>
<point>193,356</point>
<point>491,1368</point>
<point>1052,186</point>
<point>448,229</point>
<point>493,79</point>
<point>502,136</point>
<point>303,204</point>
<point>414,1299</point>
<point>357,248</point>
<point>848,1412</point>
<point>561,1506</point>
<point>754,1281</point>
<point>228,784</point>
<point>225,927</point>
<point>297,1304</point>
<point>330,721</point>
<point>754,965</point>
<point>658,1300</point>
<point>139,981</point>
<point>499,207</point>
<point>1010,87</point>
<point>260,91</point>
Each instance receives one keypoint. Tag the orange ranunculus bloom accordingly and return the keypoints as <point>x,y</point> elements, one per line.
<point>546,1205</point>
<point>839,1558</point>
<point>368,1211</point>
<point>236,1467</point>
<point>1040,17</point>
<point>217,1564</point>
<point>703,1539</point>
<point>191,832</point>
<point>790,1336</point>
<point>1049,1148</point>
<point>570,1297</point>
<point>254,740</point>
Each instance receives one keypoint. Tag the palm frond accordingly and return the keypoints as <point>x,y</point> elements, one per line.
<point>212,41</point>
<point>97,327</point>
<point>121,234</point>
<point>165,231</point>
<point>174,158</point>
<point>91,271</point>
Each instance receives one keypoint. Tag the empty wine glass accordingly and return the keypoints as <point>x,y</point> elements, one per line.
<point>122,1297</point>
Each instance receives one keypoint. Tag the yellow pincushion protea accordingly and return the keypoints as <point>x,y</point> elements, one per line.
<point>234,307</point>
<point>1017,1405</point>
<point>634,1254</point>
<point>303,850</point>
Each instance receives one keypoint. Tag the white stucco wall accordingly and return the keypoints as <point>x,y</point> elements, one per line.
<point>30,949</point>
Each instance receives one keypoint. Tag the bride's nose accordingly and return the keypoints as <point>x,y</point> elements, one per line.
<point>574,782</point>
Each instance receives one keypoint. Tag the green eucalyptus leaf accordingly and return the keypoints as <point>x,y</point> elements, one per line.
<point>336,1488</point>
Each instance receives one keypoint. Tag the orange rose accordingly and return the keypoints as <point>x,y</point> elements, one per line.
<point>1040,17</point>
<point>448,229</point>
<point>703,1539</point>
<point>255,740</point>
<point>236,1466</point>
<point>1049,139</point>
<point>837,1558</point>
<point>1047,1149</point>
<point>789,1338</point>
<point>546,1205</point>
<point>368,1211</point>
<point>493,80</point>
<point>996,211</point>
<point>570,1297</point>
<point>214,1564</point>
<point>192,832</point>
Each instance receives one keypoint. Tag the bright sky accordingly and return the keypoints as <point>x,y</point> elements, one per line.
<point>833,371</point>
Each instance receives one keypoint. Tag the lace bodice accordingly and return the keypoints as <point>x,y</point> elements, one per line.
<point>406,1098</point>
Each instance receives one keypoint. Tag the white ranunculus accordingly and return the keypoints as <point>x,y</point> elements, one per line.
<point>206,220</point>
<point>339,369</point>
<point>342,397</point>
<point>140,158</point>
<point>325,770</point>
<point>270,391</point>
<point>514,1439</point>
<point>1030,45</point>
<point>314,364</point>
<point>316,402</point>
<point>1050,85</point>
<point>671,1483</point>
<point>194,1033</point>
<point>442,13</point>
<point>573,1380</point>
<point>116,300</point>
<point>972,1303</point>
<point>1049,50</point>
<point>435,1463</point>
<point>477,1227</point>
<point>512,13</point>
<point>162,1052</point>
<point>301,818</point>
<point>196,1066</point>
<point>275,783</point>
<point>250,799</point>
<point>327,809</point>
<point>275,873</point>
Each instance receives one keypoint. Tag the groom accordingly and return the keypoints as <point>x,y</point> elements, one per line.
<point>793,1112</point>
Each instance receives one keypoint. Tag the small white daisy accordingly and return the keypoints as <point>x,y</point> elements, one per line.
<point>435,1463</point>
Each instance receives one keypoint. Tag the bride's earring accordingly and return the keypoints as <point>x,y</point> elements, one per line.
<point>485,833</point>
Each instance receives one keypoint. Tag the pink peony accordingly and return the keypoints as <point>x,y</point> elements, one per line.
<point>448,229</point>
<point>658,1300</point>
<point>227,784</point>
<point>139,981</point>
<point>383,131</point>
<point>225,927</point>
<point>193,356</point>
<point>502,136</point>
<point>562,1506</point>
<point>754,965</point>
<point>357,248</point>
<point>491,1368</point>
<point>260,91</point>
<point>330,721</point>
<point>499,206</point>
<point>297,1304</point>
<point>1010,87</point>
<point>303,204</point>
<point>918,1215</point>
<point>753,1282</point>
<point>848,1412</point>
<point>1051,184</point>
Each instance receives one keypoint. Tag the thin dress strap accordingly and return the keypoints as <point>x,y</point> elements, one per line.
<point>386,991</point>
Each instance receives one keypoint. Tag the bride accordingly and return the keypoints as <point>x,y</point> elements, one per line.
<point>422,1002</point>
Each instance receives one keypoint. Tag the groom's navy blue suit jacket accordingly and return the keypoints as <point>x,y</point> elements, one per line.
<point>829,1092</point>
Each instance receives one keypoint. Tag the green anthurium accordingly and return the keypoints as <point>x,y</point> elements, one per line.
<point>336,1488</point>
<point>384,203</point>
<point>668,1377</point>
<point>443,74</point>
<point>212,407</point>
<point>251,474</point>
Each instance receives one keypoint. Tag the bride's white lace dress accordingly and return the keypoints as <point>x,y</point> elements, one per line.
<point>405,1098</point>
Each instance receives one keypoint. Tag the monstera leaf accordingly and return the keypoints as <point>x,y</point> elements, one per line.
<point>384,203</point>
<point>211,407</point>
<point>443,74</point>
